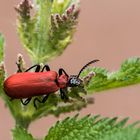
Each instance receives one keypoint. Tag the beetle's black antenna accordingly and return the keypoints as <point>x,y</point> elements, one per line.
<point>89,63</point>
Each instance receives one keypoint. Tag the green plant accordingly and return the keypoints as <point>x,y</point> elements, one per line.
<point>45,35</point>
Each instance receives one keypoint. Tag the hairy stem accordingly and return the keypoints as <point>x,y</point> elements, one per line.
<point>23,123</point>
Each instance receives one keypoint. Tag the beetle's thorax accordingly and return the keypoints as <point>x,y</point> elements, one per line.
<point>62,81</point>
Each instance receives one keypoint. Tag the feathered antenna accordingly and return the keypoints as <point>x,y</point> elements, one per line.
<point>89,63</point>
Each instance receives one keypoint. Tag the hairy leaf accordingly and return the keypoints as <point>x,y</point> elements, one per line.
<point>124,134</point>
<point>21,134</point>
<point>1,47</point>
<point>89,128</point>
<point>2,69</point>
<point>62,28</point>
<point>129,73</point>
<point>49,31</point>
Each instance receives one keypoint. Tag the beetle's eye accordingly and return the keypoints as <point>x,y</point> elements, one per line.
<point>73,81</point>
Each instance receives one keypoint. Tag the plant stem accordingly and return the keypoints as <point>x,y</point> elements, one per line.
<point>23,123</point>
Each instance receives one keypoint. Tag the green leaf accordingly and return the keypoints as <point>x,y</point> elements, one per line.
<point>20,133</point>
<point>50,30</point>
<point>128,74</point>
<point>89,128</point>
<point>1,47</point>
<point>2,69</point>
<point>63,26</point>
<point>125,134</point>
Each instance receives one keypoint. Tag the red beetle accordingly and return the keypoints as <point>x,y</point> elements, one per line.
<point>29,84</point>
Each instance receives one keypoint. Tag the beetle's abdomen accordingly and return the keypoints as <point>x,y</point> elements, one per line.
<point>29,84</point>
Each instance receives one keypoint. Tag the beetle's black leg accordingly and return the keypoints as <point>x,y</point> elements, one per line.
<point>26,101</point>
<point>36,99</point>
<point>61,71</point>
<point>45,67</point>
<point>36,70</point>
<point>43,100</point>
<point>63,94</point>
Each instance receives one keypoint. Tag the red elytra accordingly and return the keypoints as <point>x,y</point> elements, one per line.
<point>29,84</point>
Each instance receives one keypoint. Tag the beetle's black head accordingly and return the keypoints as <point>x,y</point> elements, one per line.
<point>74,81</point>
